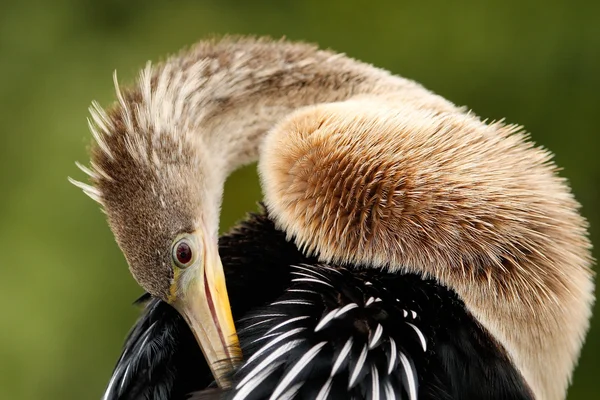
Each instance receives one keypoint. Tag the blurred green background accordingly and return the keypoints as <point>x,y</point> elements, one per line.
<point>64,287</point>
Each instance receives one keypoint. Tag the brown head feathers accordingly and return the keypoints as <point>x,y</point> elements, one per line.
<point>358,166</point>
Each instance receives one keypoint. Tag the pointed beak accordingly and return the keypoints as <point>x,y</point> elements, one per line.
<point>204,304</point>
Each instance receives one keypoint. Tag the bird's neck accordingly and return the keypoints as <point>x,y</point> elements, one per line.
<point>221,99</point>
<point>225,96</point>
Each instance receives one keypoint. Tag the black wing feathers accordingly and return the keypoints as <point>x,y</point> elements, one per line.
<point>161,359</point>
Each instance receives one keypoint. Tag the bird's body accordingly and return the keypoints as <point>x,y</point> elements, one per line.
<point>412,337</point>
<point>361,170</point>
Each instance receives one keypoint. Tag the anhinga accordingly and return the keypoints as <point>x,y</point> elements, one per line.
<point>408,249</point>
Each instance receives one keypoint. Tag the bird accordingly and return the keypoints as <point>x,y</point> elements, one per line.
<point>407,248</point>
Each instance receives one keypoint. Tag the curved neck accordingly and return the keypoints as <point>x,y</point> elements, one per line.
<point>205,112</point>
<point>228,94</point>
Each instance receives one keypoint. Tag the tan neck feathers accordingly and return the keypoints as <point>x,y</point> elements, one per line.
<point>403,185</point>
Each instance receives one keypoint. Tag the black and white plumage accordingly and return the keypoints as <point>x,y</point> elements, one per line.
<point>316,331</point>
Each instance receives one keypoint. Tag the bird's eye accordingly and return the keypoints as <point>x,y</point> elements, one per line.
<point>183,253</point>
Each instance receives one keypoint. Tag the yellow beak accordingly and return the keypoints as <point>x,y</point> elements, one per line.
<point>204,304</point>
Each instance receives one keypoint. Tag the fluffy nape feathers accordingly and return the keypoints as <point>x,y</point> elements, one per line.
<point>474,205</point>
<point>359,167</point>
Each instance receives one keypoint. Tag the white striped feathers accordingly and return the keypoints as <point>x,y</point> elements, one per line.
<point>331,336</point>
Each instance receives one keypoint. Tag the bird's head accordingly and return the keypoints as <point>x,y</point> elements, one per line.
<point>158,193</point>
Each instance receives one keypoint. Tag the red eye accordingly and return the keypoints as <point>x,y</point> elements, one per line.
<point>183,253</point>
